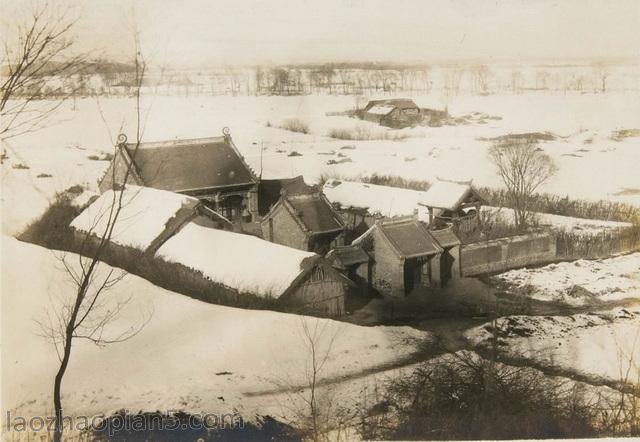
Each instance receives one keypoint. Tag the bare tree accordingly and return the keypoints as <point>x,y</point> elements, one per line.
<point>312,336</point>
<point>523,168</point>
<point>89,314</point>
<point>36,52</point>
<point>313,406</point>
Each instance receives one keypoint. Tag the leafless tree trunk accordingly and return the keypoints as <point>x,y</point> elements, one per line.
<point>523,168</point>
<point>319,338</point>
<point>35,52</point>
<point>89,314</point>
<point>312,411</point>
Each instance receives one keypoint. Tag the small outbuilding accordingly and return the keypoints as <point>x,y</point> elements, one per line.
<point>305,221</point>
<point>452,203</point>
<point>299,280</point>
<point>406,256</point>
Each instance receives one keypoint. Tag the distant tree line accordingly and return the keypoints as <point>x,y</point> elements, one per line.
<point>105,77</point>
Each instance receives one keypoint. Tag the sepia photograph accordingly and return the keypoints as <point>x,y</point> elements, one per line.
<point>319,220</point>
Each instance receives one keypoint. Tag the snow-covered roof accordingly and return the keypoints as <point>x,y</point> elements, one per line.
<point>380,109</point>
<point>383,200</point>
<point>142,218</point>
<point>445,194</point>
<point>241,262</point>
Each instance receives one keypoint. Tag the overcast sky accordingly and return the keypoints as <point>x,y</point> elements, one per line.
<point>210,32</point>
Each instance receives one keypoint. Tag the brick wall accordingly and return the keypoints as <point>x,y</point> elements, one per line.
<point>286,230</point>
<point>507,253</point>
<point>388,270</point>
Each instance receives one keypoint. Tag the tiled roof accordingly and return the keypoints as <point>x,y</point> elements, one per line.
<point>402,103</point>
<point>180,165</point>
<point>315,212</point>
<point>445,237</point>
<point>410,238</point>
<point>345,256</point>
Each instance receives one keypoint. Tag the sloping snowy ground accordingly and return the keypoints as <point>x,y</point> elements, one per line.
<point>604,344</point>
<point>26,193</point>
<point>191,355</point>
<point>605,279</point>
<point>583,150</point>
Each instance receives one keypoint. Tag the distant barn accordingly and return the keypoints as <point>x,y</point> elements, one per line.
<point>210,169</point>
<point>392,113</point>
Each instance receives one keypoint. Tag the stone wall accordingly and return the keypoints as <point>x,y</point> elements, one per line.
<point>507,253</point>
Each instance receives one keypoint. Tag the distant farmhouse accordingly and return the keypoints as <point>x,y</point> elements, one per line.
<point>303,219</point>
<point>210,169</point>
<point>392,113</point>
<point>401,112</point>
<point>181,230</point>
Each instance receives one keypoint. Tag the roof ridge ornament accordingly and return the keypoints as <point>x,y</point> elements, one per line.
<point>226,131</point>
<point>122,139</point>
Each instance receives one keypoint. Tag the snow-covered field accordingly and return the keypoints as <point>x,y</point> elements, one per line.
<point>591,164</point>
<point>604,279</point>
<point>201,357</point>
<point>191,355</point>
<point>598,345</point>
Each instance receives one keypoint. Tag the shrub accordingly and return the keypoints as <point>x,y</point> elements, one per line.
<point>396,181</point>
<point>295,125</point>
<point>20,166</point>
<point>621,134</point>
<point>52,230</point>
<point>102,157</point>
<point>601,245</point>
<point>547,203</point>
<point>491,225</point>
<point>463,396</point>
<point>527,136</point>
<point>366,133</point>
